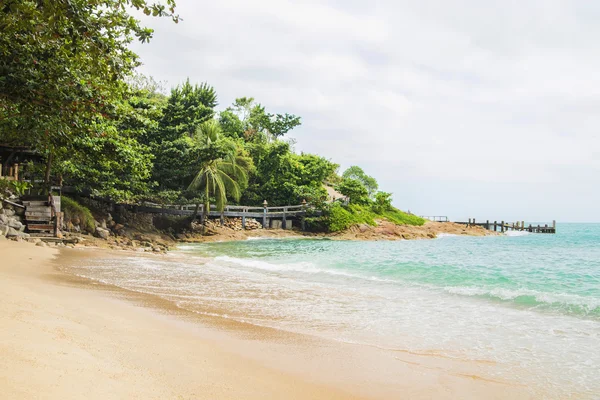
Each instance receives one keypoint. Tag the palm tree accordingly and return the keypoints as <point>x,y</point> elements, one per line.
<point>222,173</point>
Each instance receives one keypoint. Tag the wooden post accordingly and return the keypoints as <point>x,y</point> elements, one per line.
<point>222,219</point>
<point>522,225</point>
<point>303,227</point>
<point>495,226</point>
<point>265,204</point>
<point>530,229</point>
<point>554,225</point>
<point>283,222</point>
<point>502,227</point>
<point>16,172</point>
<point>243,222</point>
<point>473,221</point>
<point>538,229</point>
<point>487,224</point>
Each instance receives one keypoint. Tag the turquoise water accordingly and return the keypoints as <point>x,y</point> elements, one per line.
<point>521,308</point>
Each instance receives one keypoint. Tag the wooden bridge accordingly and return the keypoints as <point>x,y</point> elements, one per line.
<point>274,217</point>
<point>514,226</point>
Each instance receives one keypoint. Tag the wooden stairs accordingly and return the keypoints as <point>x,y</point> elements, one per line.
<point>43,217</point>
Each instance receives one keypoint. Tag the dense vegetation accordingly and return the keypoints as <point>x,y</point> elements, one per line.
<point>69,90</point>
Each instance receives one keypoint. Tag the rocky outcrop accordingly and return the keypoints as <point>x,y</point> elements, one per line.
<point>11,225</point>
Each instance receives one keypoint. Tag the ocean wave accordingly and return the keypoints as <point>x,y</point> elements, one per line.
<point>303,267</point>
<point>533,298</point>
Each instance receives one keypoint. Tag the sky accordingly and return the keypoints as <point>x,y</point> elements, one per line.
<point>463,108</point>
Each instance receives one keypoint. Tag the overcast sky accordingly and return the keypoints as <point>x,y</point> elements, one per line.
<point>465,108</point>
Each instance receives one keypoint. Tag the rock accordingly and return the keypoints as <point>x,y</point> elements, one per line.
<point>103,224</point>
<point>76,221</point>
<point>102,233</point>
<point>3,230</point>
<point>109,218</point>
<point>40,244</point>
<point>12,233</point>
<point>15,223</point>
<point>20,211</point>
<point>3,219</point>
<point>111,224</point>
<point>9,213</point>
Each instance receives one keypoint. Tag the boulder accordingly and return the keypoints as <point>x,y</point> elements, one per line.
<point>3,219</point>
<point>102,233</point>
<point>103,224</point>
<point>40,244</point>
<point>13,233</point>
<point>3,230</point>
<point>9,213</point>
<point>15,223</point>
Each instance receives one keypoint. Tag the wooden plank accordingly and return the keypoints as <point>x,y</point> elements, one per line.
<point>47,213</point>
<point>41,227</point>
<point>13,204</point>
<point>35,203</point>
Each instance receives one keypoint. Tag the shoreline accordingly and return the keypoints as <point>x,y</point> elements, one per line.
<point>289,365</point>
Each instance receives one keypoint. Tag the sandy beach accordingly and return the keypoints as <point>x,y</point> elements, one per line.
<point>62,338</point>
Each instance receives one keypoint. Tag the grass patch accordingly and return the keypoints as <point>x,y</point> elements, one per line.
<point>401,218</point>
<point>75,211</point>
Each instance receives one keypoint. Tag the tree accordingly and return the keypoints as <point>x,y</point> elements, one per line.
<point>355,172</point>
<point>63,65</point>
<point>355,191</point>
<point>250,119</point>
<point>383,202</point>
<point>174,141</point>
<point>223,172</point>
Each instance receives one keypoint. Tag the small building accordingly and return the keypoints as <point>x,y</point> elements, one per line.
<point>14,161</point>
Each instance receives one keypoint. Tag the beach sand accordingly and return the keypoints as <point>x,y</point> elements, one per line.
<point>65,338</point>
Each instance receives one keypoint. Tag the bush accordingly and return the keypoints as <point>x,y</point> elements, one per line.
<point>343,217</point>
<point>73,210</point>
<point>401,218</point>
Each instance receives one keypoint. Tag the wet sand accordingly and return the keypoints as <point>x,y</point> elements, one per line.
<point>62,337</point>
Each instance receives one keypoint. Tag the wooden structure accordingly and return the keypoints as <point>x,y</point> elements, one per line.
<point>270,217</point>
<point>13,158</point>
<point>514,226</point>
<point>43,217</point>
<point>436,218</point>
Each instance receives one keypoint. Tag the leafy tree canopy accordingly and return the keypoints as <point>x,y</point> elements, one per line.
<point>355,172</point>
<point>246,118</point>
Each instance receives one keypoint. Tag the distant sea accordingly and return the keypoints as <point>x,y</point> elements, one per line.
<point>527,304</point>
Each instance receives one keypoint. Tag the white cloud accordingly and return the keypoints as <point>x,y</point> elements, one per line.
<point>450,104</point>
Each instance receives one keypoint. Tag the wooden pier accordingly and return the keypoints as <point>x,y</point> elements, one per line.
<point>519,226</point>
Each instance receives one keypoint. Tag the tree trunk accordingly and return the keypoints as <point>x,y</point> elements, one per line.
<point>48,171</point>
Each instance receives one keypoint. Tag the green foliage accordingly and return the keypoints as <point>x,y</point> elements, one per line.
<point>224,169</point>
<point>248,119</point>
<point>353,189</point>
<point>63,66</point>
<point>357,173</point>
<point>13,187</point>
<point>382,203</point>
<point>283,177</point>
<point>401,218</point>
<point>75,211</point>
<point>175,141</point>
<point>341,218</point>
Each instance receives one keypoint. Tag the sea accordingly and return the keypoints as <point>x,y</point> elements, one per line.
<point>526,304</point>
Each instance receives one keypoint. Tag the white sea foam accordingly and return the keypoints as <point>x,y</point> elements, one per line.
<point>517,233</point>
<point>586,303</point>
